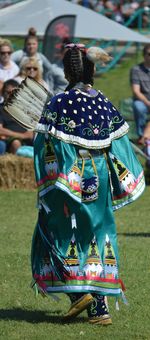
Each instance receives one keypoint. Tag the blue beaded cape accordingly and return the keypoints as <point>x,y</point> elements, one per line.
<point>80,118</point>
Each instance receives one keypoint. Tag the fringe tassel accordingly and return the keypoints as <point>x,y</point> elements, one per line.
<point>34,286</point>
<point>117,305</point>
<point>106,302</point>
<point>73,221</point>
<point>57,260</point>
<point>124,298</point>
<point>45,206</point>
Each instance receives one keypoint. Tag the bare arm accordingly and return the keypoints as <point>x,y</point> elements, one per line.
<point>139,95</point>
<point>20,135</point>
<point>1,85</point>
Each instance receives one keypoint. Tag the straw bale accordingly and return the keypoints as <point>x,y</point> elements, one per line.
<point>16,172</point>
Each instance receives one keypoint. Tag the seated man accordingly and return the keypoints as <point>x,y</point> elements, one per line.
<point>140,83</point>
<point>12,135</point>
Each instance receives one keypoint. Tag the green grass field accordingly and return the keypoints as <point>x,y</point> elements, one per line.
<point>23,316</point>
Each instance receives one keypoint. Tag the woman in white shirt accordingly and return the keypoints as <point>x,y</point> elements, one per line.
<point>8,68</point>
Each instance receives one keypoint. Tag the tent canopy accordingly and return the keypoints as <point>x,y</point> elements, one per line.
<point>16,20</point>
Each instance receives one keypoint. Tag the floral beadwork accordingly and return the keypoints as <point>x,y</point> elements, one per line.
<point>70,125</point>
<point>50,116</point>
<point>92,129</point>
<point>95,122</point>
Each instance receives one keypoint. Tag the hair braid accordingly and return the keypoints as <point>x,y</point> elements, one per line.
<point>73,66</point>
<point>77,67</point>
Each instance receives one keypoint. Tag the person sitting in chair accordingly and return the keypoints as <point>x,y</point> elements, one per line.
<point>140,84</point>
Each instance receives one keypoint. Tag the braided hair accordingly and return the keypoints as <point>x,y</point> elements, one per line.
<point>77,67</point>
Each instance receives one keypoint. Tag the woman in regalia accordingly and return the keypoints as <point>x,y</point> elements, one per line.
<point>85,169</point>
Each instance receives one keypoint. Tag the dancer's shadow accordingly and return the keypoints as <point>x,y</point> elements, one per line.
<point>141,234</point>
<point>19,314</point>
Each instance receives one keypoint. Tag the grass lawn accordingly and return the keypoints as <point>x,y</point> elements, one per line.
<point>23,316</point>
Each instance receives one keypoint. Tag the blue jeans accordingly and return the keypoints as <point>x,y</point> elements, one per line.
<point>2,147</point>
<point>141,112</point>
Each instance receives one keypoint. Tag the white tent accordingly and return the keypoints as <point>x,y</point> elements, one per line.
<point>16,19</point>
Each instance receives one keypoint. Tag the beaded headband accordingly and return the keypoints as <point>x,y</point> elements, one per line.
<point>71,45</point>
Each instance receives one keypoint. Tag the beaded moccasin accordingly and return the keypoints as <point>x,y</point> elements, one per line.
<point>79,306</point>
<point>98,312</point>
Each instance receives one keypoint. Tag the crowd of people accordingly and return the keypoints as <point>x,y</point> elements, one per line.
<point>120,11</point>
<point>14,68</point>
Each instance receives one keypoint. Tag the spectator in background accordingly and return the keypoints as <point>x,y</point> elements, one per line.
<point>88,3</point>
<point>8,69</point>
<point>99,6</point>
<point>108,8</point>
<point>119,11</point>
<point>128,8</point>
<point>31,50</point>
<point>12,134</point>
<point>105,7</point>
<point>140,83</point>
<point>117,14</point>
<point>31,68</point>
<point>144,5</point>
<point>52,74</point>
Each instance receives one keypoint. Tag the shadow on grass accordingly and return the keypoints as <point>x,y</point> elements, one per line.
<point>19,314</point>
<point>135,234</point>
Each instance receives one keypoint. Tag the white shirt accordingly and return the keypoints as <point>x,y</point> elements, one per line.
<point>10,72</point>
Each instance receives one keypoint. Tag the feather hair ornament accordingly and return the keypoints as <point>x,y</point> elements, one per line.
<point>97,55</point>
<point>27,103</point>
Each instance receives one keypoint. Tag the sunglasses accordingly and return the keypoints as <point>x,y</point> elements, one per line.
<point>75,45</point>
<point>5,52</point>
<point>29,68</point>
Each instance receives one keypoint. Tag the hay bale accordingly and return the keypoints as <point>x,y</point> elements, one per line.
<point>16,172</point>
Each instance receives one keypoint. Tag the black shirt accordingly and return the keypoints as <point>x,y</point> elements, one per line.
<point>8,122</point>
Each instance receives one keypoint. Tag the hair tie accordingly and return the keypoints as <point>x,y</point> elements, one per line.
<point>78,46</point>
